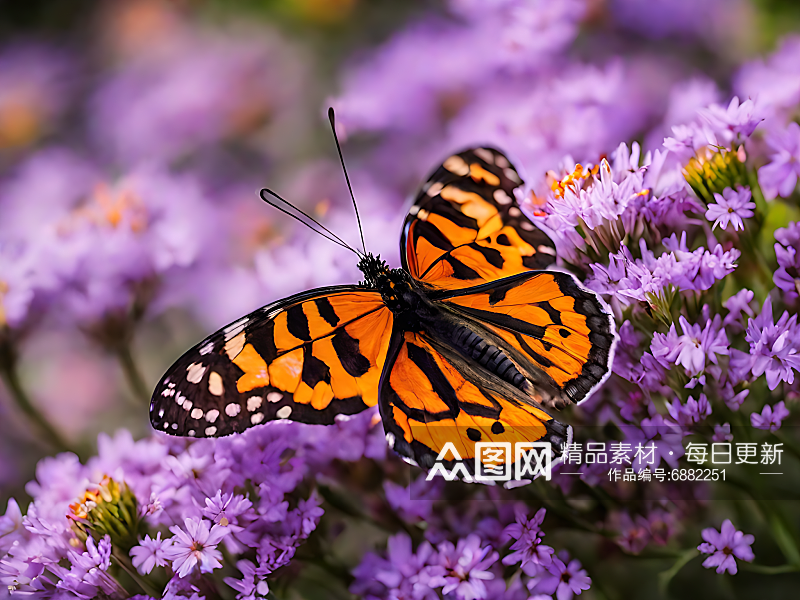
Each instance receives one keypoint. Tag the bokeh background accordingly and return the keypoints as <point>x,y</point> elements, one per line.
<point>135,134</point>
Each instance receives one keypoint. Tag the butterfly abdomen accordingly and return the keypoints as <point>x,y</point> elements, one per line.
<point>487,355</point>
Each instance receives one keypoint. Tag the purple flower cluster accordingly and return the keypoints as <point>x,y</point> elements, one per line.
<point>192,511</point>
<point>787,251</point>
<point>469,569</point>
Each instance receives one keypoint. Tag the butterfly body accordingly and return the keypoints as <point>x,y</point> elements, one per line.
<point>471,340</point>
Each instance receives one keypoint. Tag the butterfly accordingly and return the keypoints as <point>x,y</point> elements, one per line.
<point>472,339</point>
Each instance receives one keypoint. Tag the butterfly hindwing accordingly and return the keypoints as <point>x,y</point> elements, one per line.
<point>561,333</point>
<point>430,397</point>
<point>466,227</point>
<point>307,358</point>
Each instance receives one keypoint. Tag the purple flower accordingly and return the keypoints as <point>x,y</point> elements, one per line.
<point>11,526</point>
<point>251,585</point>
<point>779,177</point>
<point>733,399</point>
<point>787,277</point>
<point>722,433</point>
<point>403,574</point>
<point>87,576</point>
<point>634,535</point>
<point>223,509</point>
<point>725,546</point>
<point>693,411</point>
<point>694,349</point>
<point>465,568</point>
<point>732,206</point>
<point>563,577</point>
<point>415,501</point>
<point>774,346</point>
<point>196,545</point>
<point>206,89</point>
<point>735,120</point>
<point>770,418</point>
<point>150,553</point>
<point>737,304</point>
<point>528,548</point>
<point>661,525</point>
<point>776,81</point>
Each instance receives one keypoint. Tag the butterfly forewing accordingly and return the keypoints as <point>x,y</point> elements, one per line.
<point>307,358</point>
<point>466,227</point>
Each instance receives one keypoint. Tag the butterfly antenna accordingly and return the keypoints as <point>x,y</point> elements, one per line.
<point>328,234</point>
<point>332,119</point>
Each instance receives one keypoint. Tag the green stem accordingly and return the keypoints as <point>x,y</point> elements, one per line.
<point>765,570</point>
<point>666,576</point>
<point>10,377</point>
<point>132,374</point>
<point>143,584</point>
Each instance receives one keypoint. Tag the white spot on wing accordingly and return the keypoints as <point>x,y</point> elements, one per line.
<point>215,384</point>
<point>435,188</point>
<point>253,403</point>
<point>187,404</point>
<point>212,415</point>
<point>197,413</point>
<point>512,175</point>
<point>546,250</point>
<point>211,430</point>
<point>456,164</point>
<point>284,412</point>
<point>527,226</point>
<point>501,162</point>
<point>485,155</point>
<point>501,197</point>
<point>413,210</point>
<point>195,372</point>
<point>390,439</point>
<point>234,329</point>
<point>234,346</point>
<point>161,413</point>
<point>233,409</point>
<point>256,418</point>
<point>514,212</point>
<point>206,348</point>
<point>271,397</point>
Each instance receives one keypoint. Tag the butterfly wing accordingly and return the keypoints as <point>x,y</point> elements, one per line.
<point>307,358</point>
<point>466,227</point>
<point>560,333</point>
<point>430,396</point>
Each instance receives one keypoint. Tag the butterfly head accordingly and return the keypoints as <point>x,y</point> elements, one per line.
<point>378,275</point>
<point>374,270</point>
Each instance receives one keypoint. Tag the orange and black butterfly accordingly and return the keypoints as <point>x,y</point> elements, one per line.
<point>470,340</point>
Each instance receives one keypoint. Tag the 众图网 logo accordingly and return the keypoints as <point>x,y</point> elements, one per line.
<point>496,461</point>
